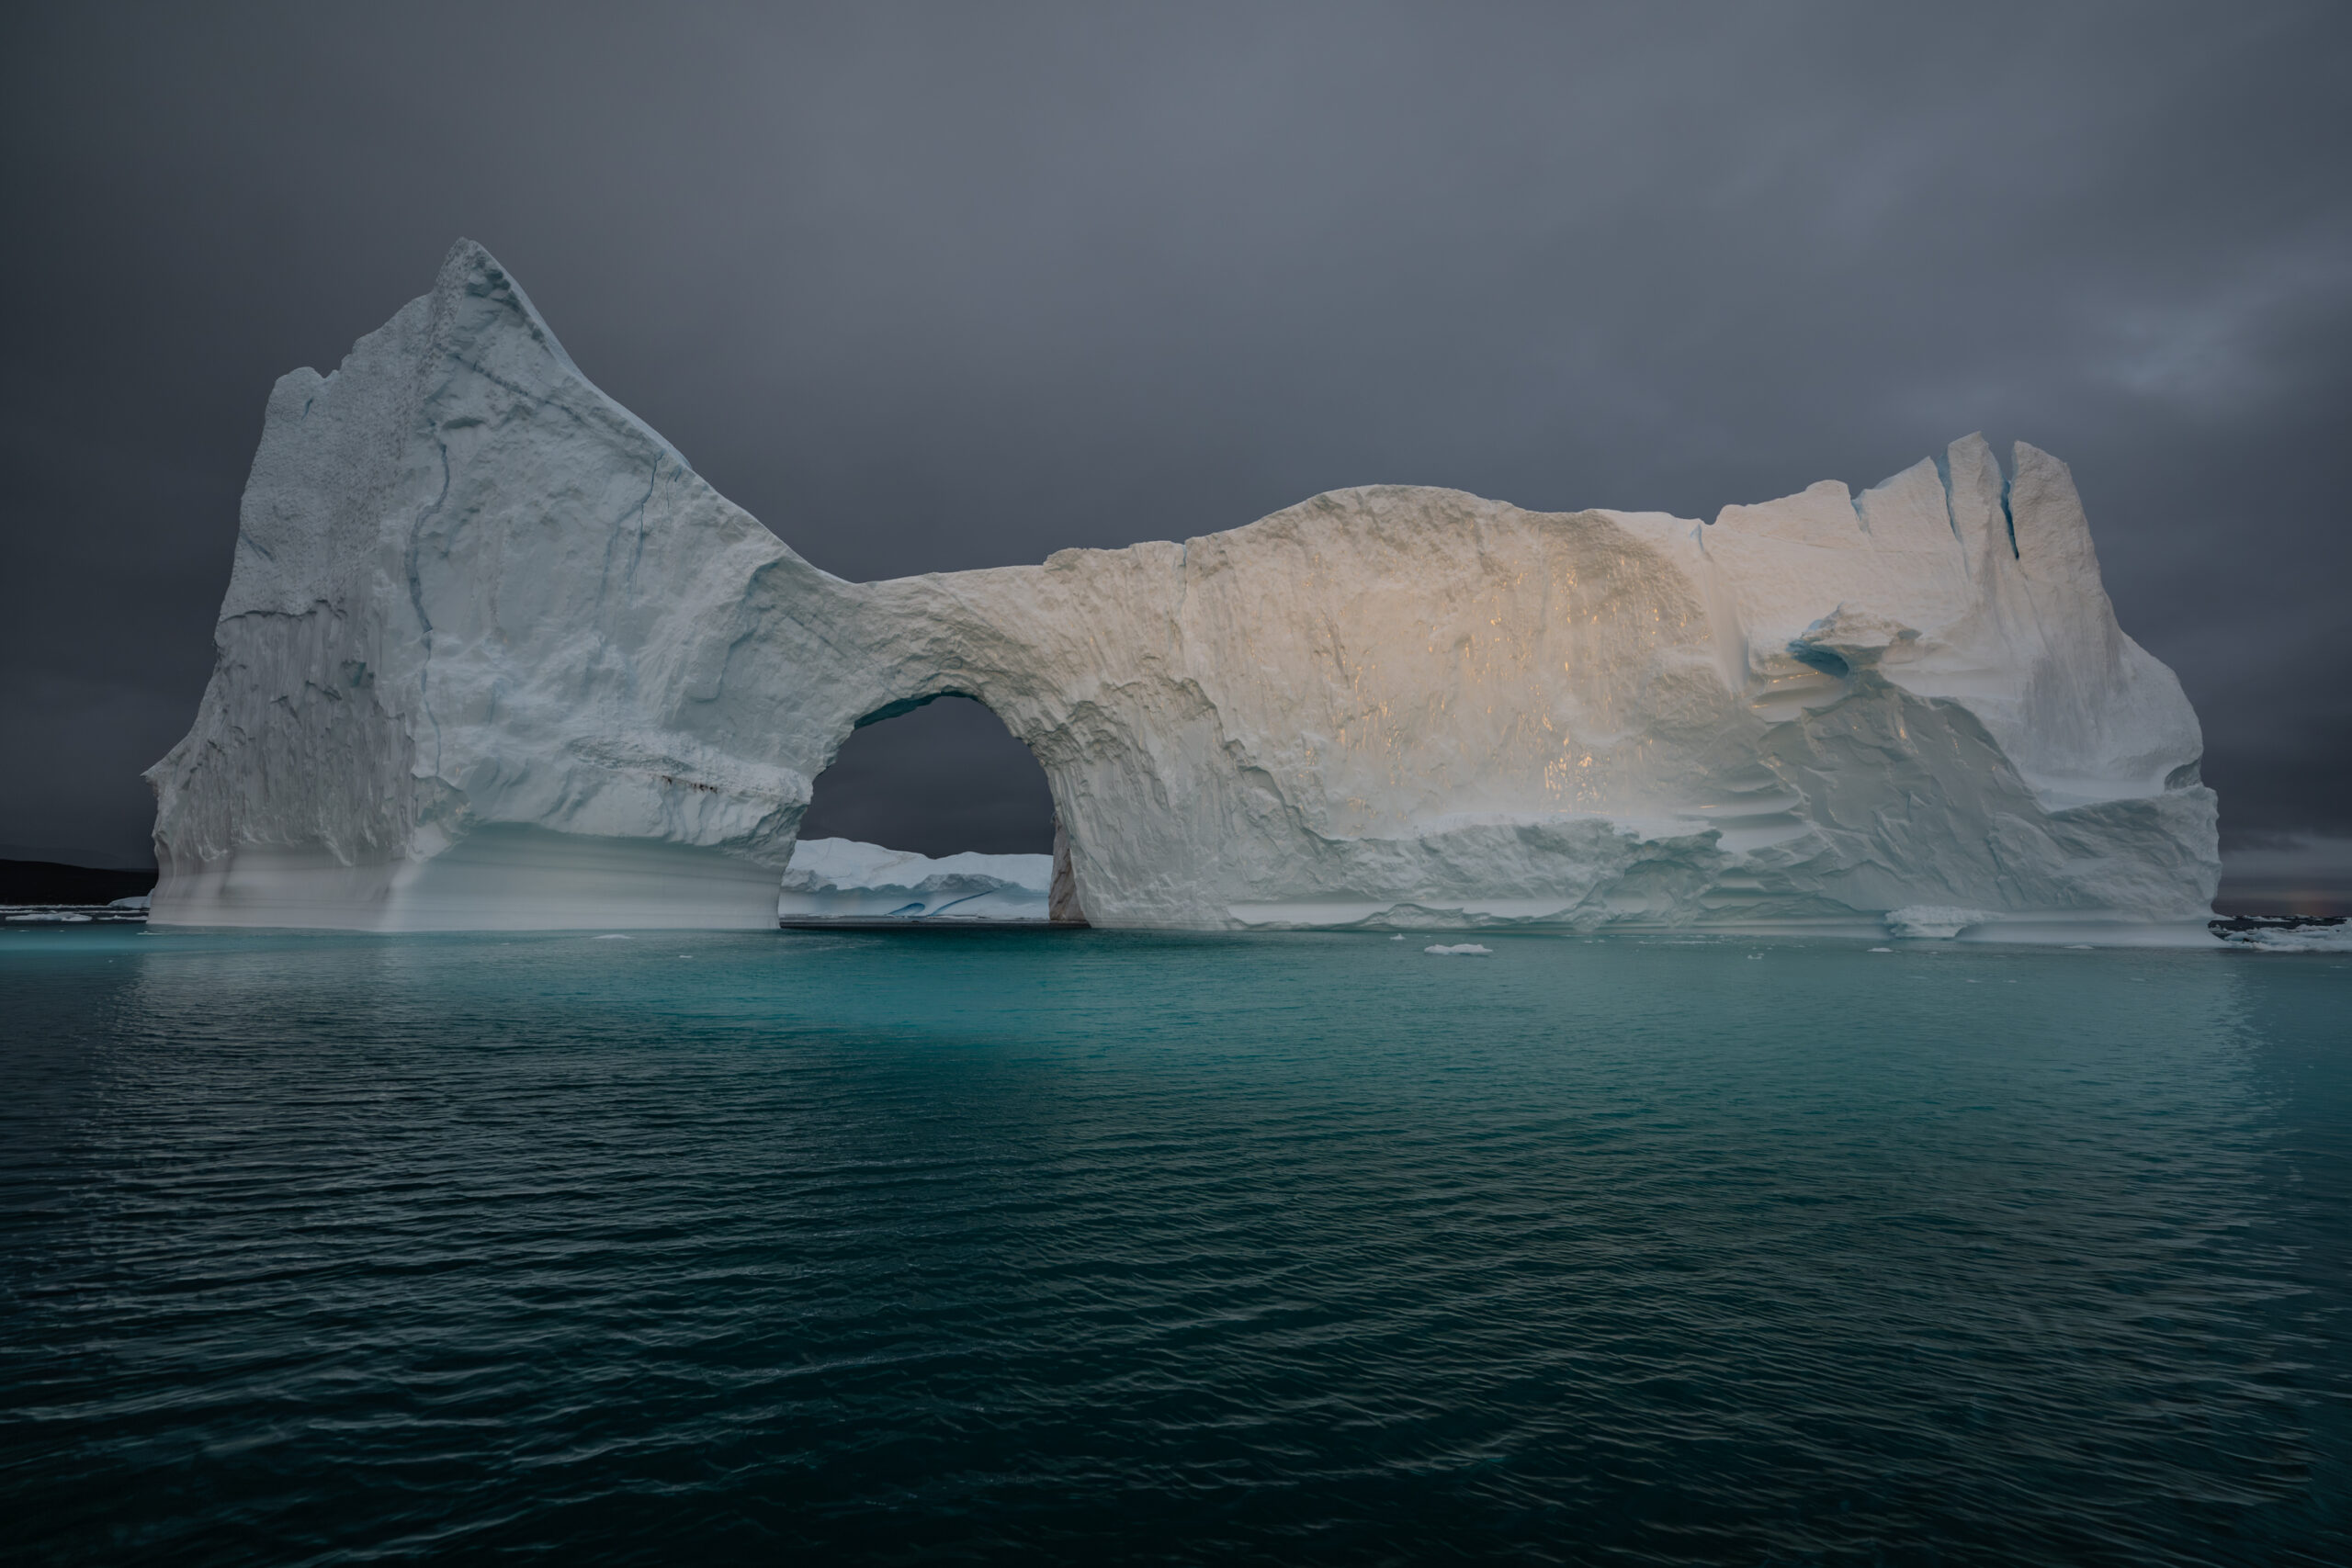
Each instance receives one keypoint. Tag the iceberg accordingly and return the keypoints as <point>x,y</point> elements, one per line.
<point>833,879</point>
<point>492,654</point>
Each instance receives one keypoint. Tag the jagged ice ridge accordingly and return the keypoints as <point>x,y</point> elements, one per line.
<point>494,655</point>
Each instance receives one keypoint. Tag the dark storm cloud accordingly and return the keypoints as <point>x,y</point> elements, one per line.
<point>945,288</point>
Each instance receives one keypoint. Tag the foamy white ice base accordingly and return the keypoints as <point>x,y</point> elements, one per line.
<point>493,654</point>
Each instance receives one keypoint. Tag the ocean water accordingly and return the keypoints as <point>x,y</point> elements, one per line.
<point>945,1247</point>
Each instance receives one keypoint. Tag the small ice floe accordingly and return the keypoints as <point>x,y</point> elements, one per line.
<point>140,902</point>
<point>1882,950</point>
<point>1756,956</point>
<point>616,936</point>
<point>2286,933</point>
<point>1398,937</point>
<point>121,912</point>
<point>1462,950</point>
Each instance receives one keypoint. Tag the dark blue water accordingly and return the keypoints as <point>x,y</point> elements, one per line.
<point>1088,1246</point>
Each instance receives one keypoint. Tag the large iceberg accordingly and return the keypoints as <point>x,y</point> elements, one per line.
<point>494,655</point>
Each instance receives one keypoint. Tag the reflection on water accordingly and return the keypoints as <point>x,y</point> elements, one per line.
<point>1083,1246</point>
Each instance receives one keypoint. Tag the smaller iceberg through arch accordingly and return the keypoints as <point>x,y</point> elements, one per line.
<point>841,879</point>
<point>931,812</point>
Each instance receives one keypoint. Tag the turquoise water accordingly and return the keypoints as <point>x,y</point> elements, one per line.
<point>1086,1246</point>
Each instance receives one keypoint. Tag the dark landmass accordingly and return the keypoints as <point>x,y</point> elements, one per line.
<point>46,881</point>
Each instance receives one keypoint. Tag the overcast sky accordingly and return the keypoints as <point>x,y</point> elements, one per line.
<point>932,288</point>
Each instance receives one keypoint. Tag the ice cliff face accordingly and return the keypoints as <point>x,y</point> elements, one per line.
<point>494,655</point>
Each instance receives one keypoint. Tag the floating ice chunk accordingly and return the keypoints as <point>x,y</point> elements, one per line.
<point>616,936</point>
<point>1882,950</point>
<point>2287,936</point>
<point>139,902</point>
<point>1462,950</point>
<point>843,879</point>
<point>821,865</point>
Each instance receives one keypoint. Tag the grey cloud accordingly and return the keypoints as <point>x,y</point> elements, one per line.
<point>936,288</point>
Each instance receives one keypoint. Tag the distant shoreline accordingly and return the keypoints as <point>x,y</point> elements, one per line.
<point>51,881</point>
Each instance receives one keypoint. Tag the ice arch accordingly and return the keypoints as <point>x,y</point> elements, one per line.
<point>493,654</point>
<point>930,812</point>
<point>937,777</point>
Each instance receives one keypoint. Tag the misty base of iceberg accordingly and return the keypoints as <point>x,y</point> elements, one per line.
<point>494,655</point>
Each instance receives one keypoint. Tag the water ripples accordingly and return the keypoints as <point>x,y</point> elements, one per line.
<point>1088,1246</point>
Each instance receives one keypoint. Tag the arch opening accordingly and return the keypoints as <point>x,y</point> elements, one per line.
<point>931,811</point>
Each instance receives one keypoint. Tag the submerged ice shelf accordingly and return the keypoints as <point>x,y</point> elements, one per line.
<point>494,655</point>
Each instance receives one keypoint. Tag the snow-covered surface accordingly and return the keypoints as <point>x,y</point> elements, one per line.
<point>492,654</point>
<point>843,879</point>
